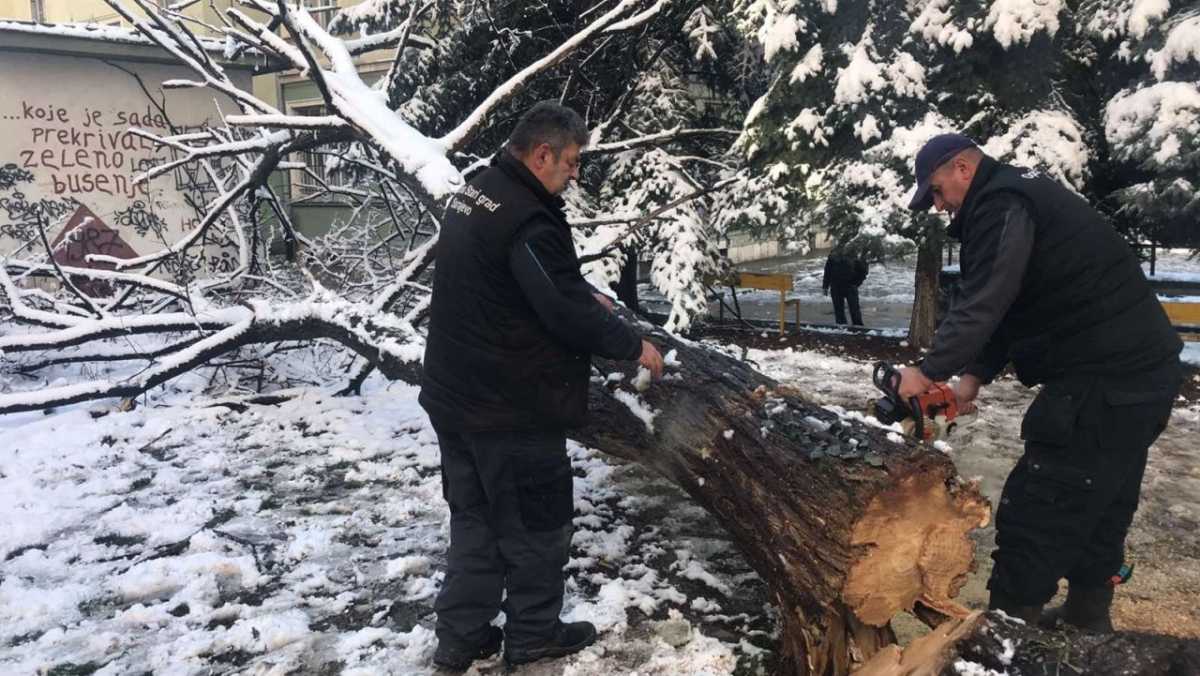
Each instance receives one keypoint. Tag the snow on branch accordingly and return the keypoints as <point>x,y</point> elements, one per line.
<point>144,281</point>
<point>641,221</point>
<point>389,342</point>
<point>637,19</point>
<point>189,51</point>
<point>659,138</point>
<point>388,39</point>
<point>1155,124</point>
<point>1017,21</point>
<point>174,364</point>
<point>460,135</point>
<point>286,121</point>
<point>363,107</point>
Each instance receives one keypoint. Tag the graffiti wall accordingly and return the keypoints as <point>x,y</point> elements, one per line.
<point>69,163</point>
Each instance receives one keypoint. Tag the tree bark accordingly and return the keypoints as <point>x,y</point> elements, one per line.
<point>923,324</point>
<point>846,526</point>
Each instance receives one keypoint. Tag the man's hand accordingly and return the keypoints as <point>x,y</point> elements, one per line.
<point>651,359</point>
<point>604,300</point>
<point>965,390</point>
<point>913,382</point>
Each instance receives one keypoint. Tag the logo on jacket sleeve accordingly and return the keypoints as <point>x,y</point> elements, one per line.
<point>480,198</point>
<point>465,201</point>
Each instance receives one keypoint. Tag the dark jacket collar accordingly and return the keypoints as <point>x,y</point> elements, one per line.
<point>517,170</point>
<point>983,174</point>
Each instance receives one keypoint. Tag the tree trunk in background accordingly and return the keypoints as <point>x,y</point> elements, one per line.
<point>925,298</point>
<point>845,526</point>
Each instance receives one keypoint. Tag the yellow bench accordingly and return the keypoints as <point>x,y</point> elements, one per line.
<point>772,282</point>
<point>1184,314</point>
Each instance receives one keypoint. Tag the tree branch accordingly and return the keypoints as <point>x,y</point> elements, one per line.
<point>642,221</point>
<point>392,78</point>
<point>457,138</point>
<point>657,139</point>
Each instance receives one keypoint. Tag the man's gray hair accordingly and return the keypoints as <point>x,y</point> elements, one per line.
<point>547,122</point>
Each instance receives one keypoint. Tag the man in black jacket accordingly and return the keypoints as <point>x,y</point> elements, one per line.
<point>844,273</point>
<point>1049,286</point>
<point>506,373</point>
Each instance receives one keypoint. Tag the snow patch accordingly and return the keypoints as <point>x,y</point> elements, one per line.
<point>1182,45</point>
<point>1016,21</point>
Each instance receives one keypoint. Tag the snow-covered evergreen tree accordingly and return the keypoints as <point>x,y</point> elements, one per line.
<point>1100,95</point>
<point>1152,125</point>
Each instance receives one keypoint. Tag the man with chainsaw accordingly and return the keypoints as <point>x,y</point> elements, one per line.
<point>507,365</point>
<point>1048,286</point>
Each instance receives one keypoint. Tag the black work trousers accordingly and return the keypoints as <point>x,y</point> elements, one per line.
<point>1067,505</point>
<point>511,502</point>
<point>842,296</point>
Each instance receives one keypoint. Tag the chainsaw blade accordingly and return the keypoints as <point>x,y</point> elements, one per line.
<point>910,428</point>
<point>941,429</point>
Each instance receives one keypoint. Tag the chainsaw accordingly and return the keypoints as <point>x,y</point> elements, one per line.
<point>927,417</point>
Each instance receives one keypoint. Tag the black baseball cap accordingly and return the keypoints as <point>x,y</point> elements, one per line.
<point>936,152</point>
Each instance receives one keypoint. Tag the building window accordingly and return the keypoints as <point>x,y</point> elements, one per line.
<point>321,166</point>
<point>321,10</point>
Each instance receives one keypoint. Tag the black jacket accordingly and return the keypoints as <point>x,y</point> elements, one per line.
<point>1047,284</point>
<point>842,270</point>
<point>512,321</point>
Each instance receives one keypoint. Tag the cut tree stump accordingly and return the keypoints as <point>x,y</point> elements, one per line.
<point>846,526</point>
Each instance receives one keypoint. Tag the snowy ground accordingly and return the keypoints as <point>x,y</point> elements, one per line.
<point>886,295</point>
<point>309,538</point>
<point>1175,265</point>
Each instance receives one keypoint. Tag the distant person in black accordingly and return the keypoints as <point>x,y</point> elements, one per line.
<point>1049,286</point>
<point>506,373</point>
<point>626,286</point>
<point>844,273</point>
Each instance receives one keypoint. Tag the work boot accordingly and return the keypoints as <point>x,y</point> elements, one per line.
<point>456,658</point>
<point>1087,608</point>
<point>567,640</point>
<point>1027,614</point>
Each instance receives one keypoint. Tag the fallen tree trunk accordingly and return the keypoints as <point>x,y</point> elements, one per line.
<point>996,644</point>
<point>846,523</point>
<point>846,526</point>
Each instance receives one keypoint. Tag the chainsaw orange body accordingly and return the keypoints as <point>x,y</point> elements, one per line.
<point>927,416</point>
